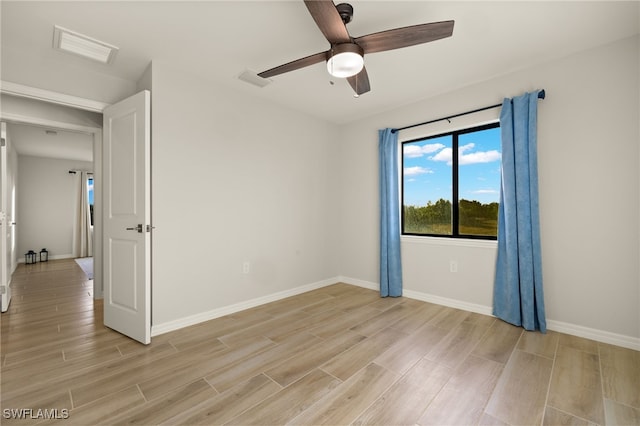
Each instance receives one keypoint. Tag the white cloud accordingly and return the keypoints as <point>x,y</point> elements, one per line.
<point>485,191</point>
<point>466,157</point>
<point>480,157</point>
<point>466,147</point>
<point>417,170</point>
<point>433,147</point>
<point>415,151</point>
<point>412,151</point>
<point>444,155</point>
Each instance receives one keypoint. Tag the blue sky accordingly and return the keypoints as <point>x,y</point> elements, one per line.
<point>427,168</point>
<point>90,189</point>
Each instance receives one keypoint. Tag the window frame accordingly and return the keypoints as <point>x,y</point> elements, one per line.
<point>455,196</point>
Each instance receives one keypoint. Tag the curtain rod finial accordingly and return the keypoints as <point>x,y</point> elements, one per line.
<point>541,94</point>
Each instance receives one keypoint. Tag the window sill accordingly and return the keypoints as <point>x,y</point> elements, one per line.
<point>449,242</point>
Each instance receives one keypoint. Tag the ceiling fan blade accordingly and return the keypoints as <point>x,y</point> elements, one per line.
<point>328,19</point>
<point>360,82</point>
<point>405,36</point>
<point>294,65</point>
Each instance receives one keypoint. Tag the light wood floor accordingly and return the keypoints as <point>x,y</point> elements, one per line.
<point>337,355</point>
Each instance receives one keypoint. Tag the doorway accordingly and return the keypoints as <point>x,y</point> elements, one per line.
<point>122,259</point>
<point>94,136</point>
<point>53,195</point>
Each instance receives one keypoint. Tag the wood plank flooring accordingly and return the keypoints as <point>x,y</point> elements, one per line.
<point>336,355</point>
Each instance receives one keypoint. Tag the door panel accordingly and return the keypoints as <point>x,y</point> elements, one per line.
<point>126,195</point>
<point>123,253</point>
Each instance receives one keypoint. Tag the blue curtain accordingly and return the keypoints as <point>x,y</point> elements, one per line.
<point>517,295</point>
<point>390,262</point>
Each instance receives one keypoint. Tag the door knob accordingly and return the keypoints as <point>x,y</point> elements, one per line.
<point>136,228</point>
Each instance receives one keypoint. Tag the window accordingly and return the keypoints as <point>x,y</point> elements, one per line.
<point>90,196</point>
<point>451,184</point>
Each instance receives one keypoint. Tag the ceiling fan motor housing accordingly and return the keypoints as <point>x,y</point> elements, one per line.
<point>346,12</point>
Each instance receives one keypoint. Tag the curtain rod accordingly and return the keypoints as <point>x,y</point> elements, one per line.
<point>541,95</point>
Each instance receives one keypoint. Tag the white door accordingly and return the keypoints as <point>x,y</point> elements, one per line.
<point>127,224</point>
<point>5,227</point>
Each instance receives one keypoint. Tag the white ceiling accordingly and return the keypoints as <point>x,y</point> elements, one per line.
<point>218,40</point>
<point>35,141</point>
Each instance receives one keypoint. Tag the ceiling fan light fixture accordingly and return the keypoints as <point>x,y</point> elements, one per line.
<point>345,60</point>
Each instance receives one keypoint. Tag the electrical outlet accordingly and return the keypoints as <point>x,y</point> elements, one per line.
<point>246,267</point>
<point>453,266</point>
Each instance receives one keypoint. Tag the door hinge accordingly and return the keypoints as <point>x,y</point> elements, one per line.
<point>3,142</point>
<point>3,289</point>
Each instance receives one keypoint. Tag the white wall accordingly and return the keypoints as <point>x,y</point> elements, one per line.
<point>145,81</point>
<point>589,193</point>
<point>234,179</point>
<point>47,205</point>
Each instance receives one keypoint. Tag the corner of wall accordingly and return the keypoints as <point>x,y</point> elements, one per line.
<point>145,81</point>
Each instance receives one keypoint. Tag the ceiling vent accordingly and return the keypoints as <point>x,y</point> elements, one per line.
<point>252,77</point>
<point>87,47</point>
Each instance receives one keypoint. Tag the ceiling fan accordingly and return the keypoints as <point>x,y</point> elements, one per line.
<point>345,58</point>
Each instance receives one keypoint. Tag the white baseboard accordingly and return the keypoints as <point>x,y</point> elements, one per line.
<point>424,297</point>
<point>54,257</point>
<point>559,326</point>
<point>62,256</point>
<point>360,283</point>
<point>594,334</point>
<point>451,303</point>
<point>166,327</point>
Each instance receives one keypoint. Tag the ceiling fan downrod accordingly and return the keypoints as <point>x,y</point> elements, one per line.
<point>346,12</point>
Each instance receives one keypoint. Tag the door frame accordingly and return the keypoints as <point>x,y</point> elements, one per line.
<point>96,133</point>
<point>6,267</point>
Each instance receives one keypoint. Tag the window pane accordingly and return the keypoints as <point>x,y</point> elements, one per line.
<point>427,186</point>
<point>90,197</point>
<point>479,182</point>
<point>90,190</point>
